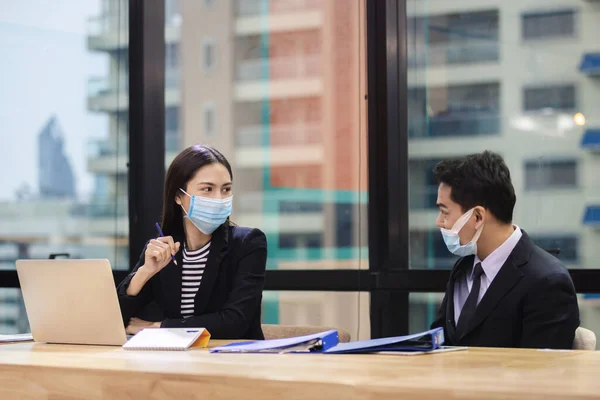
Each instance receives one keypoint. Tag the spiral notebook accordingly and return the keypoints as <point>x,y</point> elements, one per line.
<point>176,339</point>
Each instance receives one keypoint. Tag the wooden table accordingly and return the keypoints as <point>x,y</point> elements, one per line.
<point>42,371</point>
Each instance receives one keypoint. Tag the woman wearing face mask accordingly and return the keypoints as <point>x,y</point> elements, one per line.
<point>217,280</point>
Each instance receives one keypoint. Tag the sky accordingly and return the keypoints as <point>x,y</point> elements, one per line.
<point>44,70</point>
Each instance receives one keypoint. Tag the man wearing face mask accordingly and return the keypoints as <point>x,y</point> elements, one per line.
<point>504,291</point>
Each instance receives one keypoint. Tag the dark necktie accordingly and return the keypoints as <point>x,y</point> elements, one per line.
<point>468,310</point>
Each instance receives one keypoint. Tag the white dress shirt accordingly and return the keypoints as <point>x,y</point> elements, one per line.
<point>491,266</point>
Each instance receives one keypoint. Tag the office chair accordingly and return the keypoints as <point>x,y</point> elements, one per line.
<point>584,339</point>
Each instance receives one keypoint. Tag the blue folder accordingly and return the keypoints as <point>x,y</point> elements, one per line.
<point>424,341</point>
<point>315,343</point>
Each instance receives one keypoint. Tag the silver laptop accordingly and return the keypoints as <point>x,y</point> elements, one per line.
<point>71,301</point>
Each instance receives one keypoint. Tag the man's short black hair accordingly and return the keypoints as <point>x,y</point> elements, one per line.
<point>481,179</point>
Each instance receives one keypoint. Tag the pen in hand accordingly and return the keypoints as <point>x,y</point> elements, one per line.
<point>160,232</point>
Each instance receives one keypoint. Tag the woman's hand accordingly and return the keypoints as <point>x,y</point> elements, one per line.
<point>158,254</point>
<point>136,325</point>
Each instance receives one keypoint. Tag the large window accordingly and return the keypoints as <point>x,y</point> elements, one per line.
<point>63,136</point>
<point>285,103</point>
<point>279,87</point>
<point>537,104</point>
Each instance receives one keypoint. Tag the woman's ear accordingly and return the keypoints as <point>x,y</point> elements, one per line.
<point>178,199</point>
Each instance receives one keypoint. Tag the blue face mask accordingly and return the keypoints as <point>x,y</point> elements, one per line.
<point>208,214</point>
<point>452,239</point>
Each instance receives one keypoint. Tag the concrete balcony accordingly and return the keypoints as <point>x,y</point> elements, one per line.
<point>437,55</point>
<point>110,32</point>
<point>110,155</point>
<point>279,145</point>
<point>256,16</point>
<point>278,135</point>
<point>278,78</point>
<point>64,220</point>
<point>280,156</point>
<point>111,94</point>
<point>276,223</point>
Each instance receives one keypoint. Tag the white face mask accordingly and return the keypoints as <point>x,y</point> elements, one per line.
<point>452,239</point>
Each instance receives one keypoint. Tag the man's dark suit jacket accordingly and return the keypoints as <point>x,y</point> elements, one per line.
<point>530,303</point>
<point>228,302</point>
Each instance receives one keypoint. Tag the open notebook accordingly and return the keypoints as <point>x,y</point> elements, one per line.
<point>168,339</point>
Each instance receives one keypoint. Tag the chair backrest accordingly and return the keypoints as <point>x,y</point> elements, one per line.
<point>288,331</point>
<point>584,339</point>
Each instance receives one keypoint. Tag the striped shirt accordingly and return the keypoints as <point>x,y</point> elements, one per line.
<point>193,266</point>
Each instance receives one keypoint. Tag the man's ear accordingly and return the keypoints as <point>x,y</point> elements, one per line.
<point>480,215</point>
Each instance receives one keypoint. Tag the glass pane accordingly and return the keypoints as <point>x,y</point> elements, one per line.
<point>278,87</point>
<point>13,318</point>
<point>423,308</point>
<point>589,313</point>
<point>63,146</point>
<point>327,309</point>
<point>517,78</point>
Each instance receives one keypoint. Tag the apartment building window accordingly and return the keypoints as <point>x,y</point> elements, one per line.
<point>300,207</point>
<point>172,65</point>
<point>565,248</point>
<point>209,54</point>
<point>423,185</point>
<point>454,110</point>
<point>209,119</point>
<point>172,55</point>
<point>428,250</point>
<point>459,38</point>
<point>548,25</point>
<point>172,137</point>
<point>550,174</point>
<point>301,240</point>
<point>344,227</point>
<point>557,97</point>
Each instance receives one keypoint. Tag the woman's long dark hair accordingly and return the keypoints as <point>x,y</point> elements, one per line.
<point>182,169</point>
